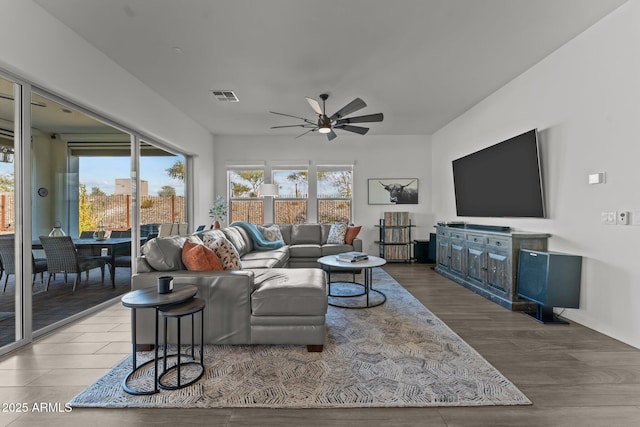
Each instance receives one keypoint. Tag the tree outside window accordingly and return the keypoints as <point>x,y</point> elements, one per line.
<point>245,203</point>
<point>335,187</point>
<point>291,205</point>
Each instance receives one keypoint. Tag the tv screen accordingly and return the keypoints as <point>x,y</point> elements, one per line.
<point>503,180</point>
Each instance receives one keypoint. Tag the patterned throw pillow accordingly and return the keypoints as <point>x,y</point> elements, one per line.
<point>228,255</point>
<point>337,233</point>
<point>352,232</point>
<point>271,233</point>
<point>198,257</point>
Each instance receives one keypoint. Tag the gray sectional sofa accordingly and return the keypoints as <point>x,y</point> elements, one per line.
<point>265,302</point>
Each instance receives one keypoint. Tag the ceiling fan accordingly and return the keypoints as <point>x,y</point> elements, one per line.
<point>327,124</point>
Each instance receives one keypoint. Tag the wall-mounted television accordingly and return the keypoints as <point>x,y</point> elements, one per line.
<point>503,180</point>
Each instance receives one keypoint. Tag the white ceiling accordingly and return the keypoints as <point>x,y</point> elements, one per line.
<point>420,62</point>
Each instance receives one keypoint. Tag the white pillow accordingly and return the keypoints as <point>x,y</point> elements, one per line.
<point>337,233</point>
<point>271,233</point>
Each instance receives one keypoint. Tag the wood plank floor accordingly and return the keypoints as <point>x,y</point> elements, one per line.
<point>573,375</point>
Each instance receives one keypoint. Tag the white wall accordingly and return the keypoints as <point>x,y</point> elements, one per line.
<point>375,157</point>
<point>584,100</point>
<point>39,49</point>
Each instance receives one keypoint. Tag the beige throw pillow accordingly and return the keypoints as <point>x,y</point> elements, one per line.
<point>271,233</point>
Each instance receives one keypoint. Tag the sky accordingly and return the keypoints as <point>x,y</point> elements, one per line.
<point>102,172</point>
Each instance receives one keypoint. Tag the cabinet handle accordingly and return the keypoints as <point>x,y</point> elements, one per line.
<point>475,239</point>
<point>484,269</point>
<point>497,243</point>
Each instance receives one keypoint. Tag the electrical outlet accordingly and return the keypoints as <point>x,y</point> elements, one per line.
<point>622,218</point>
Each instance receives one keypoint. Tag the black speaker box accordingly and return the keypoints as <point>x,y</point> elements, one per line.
<point>550,279</point>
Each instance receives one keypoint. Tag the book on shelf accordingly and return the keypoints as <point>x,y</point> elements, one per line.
<point>392,219</point>
<point>396,252</point>
<point>352,256</point>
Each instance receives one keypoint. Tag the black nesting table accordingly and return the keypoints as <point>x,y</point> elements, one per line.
<point>330,262</point>
<point>150,298</point>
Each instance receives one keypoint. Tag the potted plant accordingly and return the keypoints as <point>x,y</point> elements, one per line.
<point>218,211</point>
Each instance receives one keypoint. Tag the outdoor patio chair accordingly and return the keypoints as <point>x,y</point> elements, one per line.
<point>8,257</point>
<point>123,259</point>
<point>120,233</point>
<point>62,258</point>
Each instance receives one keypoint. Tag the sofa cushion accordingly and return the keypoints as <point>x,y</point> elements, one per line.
<point>285,229</point>
<point>198,257</point>
<point>334,249</point>
<point>165,253</point>
<point>305,251</point>
<point>260,264</point>
<point>326,228</point>
<point>306,233</point>
<point>337,233</point>
<point>266,259</point>
<point>226,252</point>
<point>289,292</point>
<point>240,239</point>
<point>352,233</point>
<point>210,234</point>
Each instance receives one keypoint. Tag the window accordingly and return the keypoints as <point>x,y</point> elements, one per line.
<point>334,193</point>
<point>290,207</point>
<point>245,203</point>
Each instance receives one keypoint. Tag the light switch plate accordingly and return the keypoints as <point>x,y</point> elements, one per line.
<point>596,178</point>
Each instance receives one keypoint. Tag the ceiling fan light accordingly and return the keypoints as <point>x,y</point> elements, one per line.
<point>324,129</point>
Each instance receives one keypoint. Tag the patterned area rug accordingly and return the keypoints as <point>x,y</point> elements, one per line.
<point>396,355</point>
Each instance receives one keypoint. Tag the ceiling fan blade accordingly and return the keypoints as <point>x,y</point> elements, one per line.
<point>295,117</point>
<point>353,106</point>
<point>331,135</point>
<point>303,134</point>
<point>355,129</point>
<point>362,119</point>
<point>315,105</point>
<point>288,126</point>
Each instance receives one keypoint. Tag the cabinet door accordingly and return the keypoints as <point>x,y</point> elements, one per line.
<point>442,256</point>
<point>457,257</point>
<point>499,271</point>
<point>476,265</point>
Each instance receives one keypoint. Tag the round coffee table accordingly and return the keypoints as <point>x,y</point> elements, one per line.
<point>150,298</point>
<point>329,263</point>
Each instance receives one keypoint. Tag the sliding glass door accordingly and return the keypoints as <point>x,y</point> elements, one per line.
<point>80,170</point>
<point>65,171</point>
<point>162,191</point>
<point>11,320</point>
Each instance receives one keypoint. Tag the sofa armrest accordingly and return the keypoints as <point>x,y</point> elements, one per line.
<point>142,266</point>
<point>227,295</point>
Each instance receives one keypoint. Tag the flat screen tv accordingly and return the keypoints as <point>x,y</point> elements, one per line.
<point>502,180</point>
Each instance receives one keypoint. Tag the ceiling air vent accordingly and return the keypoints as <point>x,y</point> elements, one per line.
<point>225,95</point>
